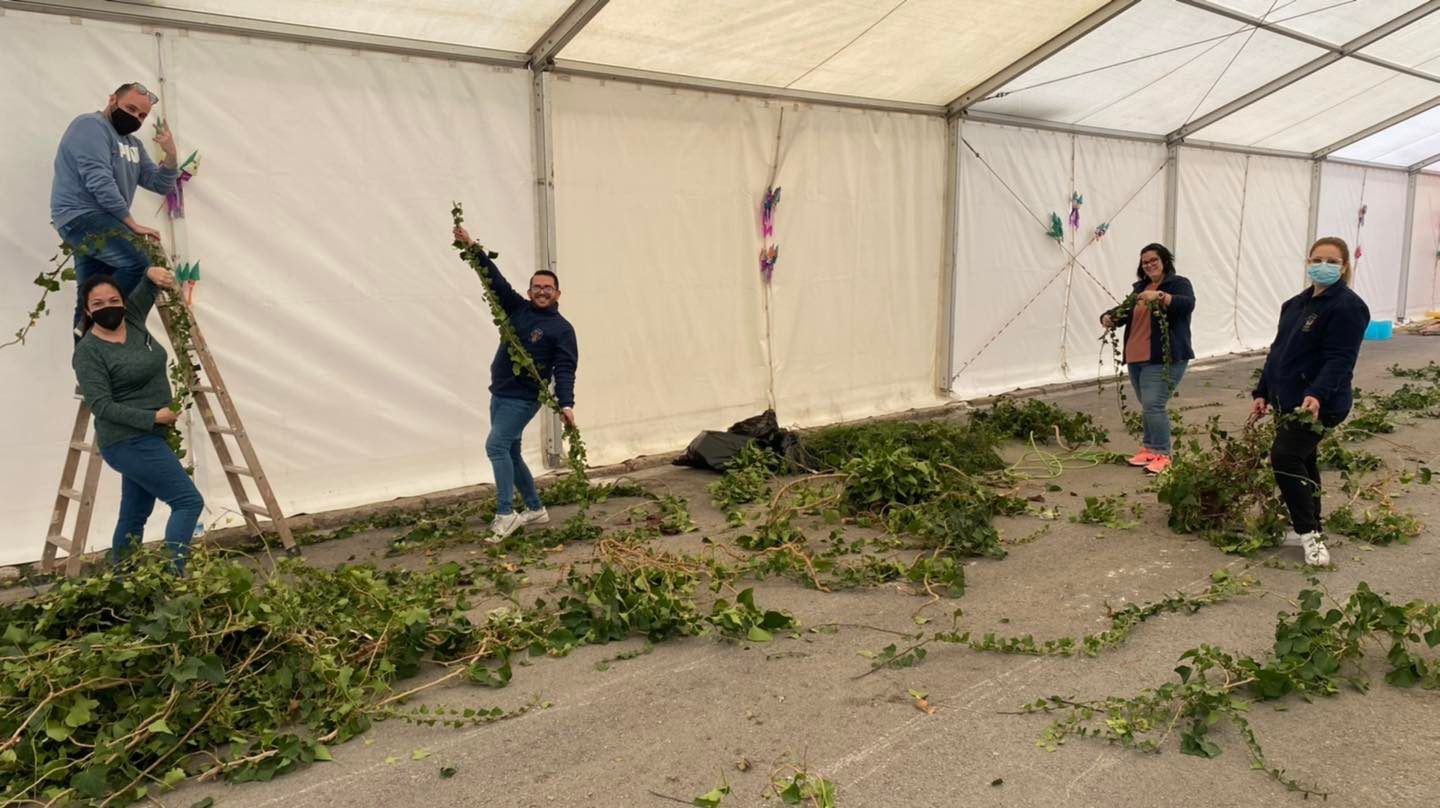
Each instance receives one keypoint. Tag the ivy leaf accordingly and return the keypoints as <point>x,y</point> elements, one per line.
<point>322,752</point>
<point>447,772</point>
<point>419,754</point>
<point>92,782</point>
<point>161,728</point>
<point>205,803</point>
<point>57,730</point>
<point>79,714</point>
<point>711,798</point>
<point>757,634</point>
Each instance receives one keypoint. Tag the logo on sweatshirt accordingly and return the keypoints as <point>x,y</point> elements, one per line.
<point>535,336</point>
<point>1309,322</point>
<point>129,152</point>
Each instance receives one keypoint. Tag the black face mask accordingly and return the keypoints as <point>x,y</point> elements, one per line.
<point>108,318</point>
<point>124,122</point>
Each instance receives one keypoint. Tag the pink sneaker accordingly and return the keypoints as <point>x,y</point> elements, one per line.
<point>1159,464</point>
<point>1143,458</point>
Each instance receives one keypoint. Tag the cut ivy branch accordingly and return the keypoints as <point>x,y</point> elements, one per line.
<point>520,359</point>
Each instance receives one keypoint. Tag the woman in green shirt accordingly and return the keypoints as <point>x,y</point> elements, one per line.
<point>121,370</point>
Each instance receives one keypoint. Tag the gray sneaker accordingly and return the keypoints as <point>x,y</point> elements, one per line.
<point>503,526</point>
<point>1316,555</point>
<point>535,517</point>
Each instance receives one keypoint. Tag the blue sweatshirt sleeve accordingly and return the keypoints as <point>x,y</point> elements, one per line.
<point>1182,297</point>
<point>88,145</point>
<point>567,359</point>
<point>1339,351</point>
<point>154,177</point>
<point>510,300</point>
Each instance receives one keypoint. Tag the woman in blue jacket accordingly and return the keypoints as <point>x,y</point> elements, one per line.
<point>1308,371</point>
<point>1157,286</point>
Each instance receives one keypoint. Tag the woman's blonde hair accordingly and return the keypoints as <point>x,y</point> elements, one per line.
<point>1338,243</point>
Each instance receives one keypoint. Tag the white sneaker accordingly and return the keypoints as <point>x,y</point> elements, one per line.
<point>1315,553</point>
<point>1292,539</point>
<point>503,526</point>
<point>535,517</point>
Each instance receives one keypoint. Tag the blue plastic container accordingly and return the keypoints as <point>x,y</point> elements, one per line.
<point>1379,330</point>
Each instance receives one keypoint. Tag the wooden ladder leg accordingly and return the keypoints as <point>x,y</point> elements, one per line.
<point>82,518</point>
<point>55,538</point>
<point>235,428</point>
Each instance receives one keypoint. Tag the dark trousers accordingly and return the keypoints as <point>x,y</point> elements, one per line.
<point>1297,472</point>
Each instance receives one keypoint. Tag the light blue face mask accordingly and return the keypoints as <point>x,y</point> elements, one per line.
<point>1323,273</point>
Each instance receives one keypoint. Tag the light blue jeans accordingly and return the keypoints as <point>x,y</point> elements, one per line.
<point>508,419</point>
<point>150,471</point>
<point>1154,394</point>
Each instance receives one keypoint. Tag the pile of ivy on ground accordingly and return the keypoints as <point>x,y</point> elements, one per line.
<point>930,490</point>
<point>1222,488</point>
<point>119,685</point>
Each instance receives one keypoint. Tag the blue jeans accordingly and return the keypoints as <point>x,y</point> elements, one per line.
<point>508,417</point>
<point>116,256</point>
<point>1154,394</point>
<point>150,471</point>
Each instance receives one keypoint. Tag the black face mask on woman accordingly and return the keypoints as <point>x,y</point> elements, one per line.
<point>108,318</point>
<point>124,122</point>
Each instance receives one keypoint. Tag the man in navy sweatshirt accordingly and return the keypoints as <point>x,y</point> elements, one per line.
<point>97,168</point>
<point>514,397</point>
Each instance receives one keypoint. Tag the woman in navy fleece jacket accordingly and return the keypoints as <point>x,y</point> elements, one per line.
<point>1309,368</point>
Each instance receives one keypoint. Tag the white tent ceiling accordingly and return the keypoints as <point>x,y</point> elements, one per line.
<point>1146,67</point>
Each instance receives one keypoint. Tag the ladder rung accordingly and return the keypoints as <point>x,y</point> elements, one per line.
<point>82,446</point>
<point>232,469</point>
<point>59,541</point>
<point>224,430</point>
<point>257,510</point>
<point>71,493</point>
<point>203,388</point>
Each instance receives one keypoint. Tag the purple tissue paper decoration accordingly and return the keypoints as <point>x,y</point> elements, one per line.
<point>1076,200</point>
<point>770,253</point>
<point>767,261</point>
<point>1101,230</point>
<point>767,211</point>
<point>175,200</point>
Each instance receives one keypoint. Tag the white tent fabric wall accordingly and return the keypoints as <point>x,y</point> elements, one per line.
<point>657,195</point>
<point>1424,288</point>
<point>1240,238</point>
<point>1012,329</point>
<point>855,293</point>
<point>354,341</point>
<point>1343,190</point>
<point>36,399</point>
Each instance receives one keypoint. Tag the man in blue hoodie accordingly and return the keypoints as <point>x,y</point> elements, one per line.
<point>99,164</point>
<point>514,396</point>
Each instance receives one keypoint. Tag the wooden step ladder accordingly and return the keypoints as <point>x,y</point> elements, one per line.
<point>203,387</point>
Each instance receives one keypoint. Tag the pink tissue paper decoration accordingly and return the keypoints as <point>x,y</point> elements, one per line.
<point>1359,251</point>
<point>1076,200</point>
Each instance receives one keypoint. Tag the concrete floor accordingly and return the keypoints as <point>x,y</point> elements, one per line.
<point>676,720</point>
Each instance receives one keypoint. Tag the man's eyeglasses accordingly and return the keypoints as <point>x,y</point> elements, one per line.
<point>140,88</point>
<point>535,290</point>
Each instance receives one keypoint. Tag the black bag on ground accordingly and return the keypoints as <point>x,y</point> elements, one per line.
<point>714,450</point>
